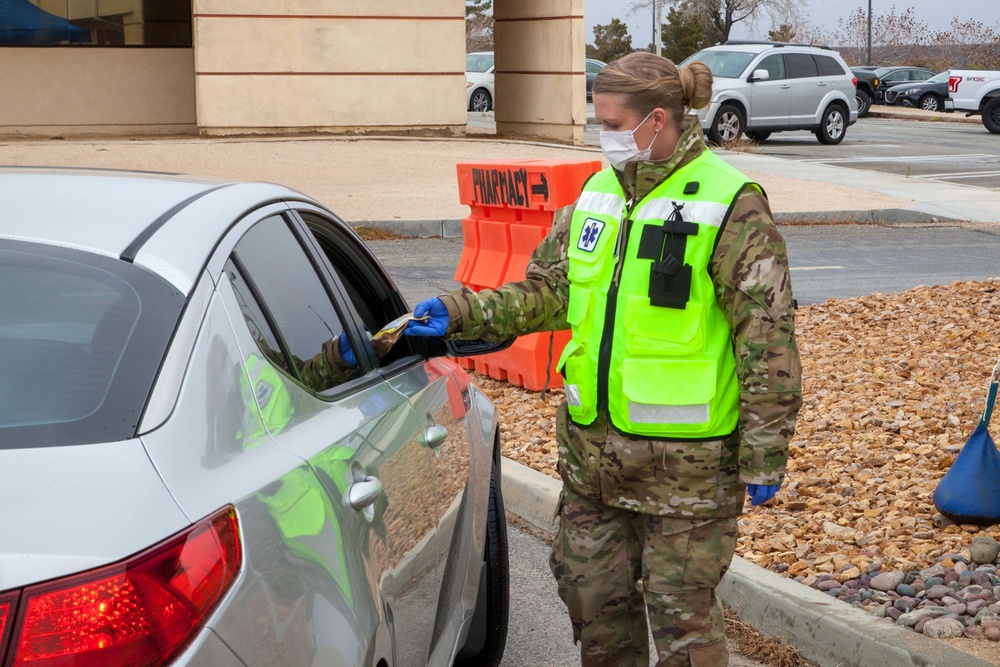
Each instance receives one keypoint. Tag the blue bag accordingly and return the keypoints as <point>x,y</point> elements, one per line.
<point>970,491</point>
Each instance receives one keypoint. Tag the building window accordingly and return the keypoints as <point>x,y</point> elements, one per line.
<point>95,22</point>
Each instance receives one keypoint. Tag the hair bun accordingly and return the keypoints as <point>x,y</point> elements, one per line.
<point>687,84</point>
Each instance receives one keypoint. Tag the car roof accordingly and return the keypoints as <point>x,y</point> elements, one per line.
<point>167,223</point>
<point>760,47</point>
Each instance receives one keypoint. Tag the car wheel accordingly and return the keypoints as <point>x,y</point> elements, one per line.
<point>930,102</point>
<point>864,102</point>
<point>758,136</point>
<point>727,126</point>
<point>495,608</point>
<point>991,115</point>
<point>481,101</point>
<point>833,125</point>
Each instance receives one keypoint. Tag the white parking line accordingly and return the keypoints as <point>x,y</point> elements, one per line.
<point>907,158</point>
<point>959,174</point>
<point>813,268</point>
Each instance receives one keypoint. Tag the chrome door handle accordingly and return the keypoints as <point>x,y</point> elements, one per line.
<point>786,86</point>
<point>364,493</point>
<point>433,436</point>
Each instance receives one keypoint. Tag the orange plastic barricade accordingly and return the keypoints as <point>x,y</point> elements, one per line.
<point>512,206</point>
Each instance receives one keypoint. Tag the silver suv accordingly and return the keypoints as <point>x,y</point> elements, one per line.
<point>765,87</point>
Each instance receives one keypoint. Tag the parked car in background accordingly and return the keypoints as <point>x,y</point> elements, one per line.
<point>975,91</point>
<point>479,81</point>
<point>864,89</point>
<point>766,87</point>
<point>872,83</point>
<point>204,461</point>
<point>928,95</point>
<point>887,77</point>
<point>593,67</point>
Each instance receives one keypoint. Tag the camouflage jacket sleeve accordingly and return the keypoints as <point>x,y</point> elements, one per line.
<point>537,303</point>
<point>326,369</point>
<point>750,271</point>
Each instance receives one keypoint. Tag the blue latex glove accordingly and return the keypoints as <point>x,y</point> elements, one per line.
<point>761,493</point>
<point>436,326</point>
<point>345,350</point>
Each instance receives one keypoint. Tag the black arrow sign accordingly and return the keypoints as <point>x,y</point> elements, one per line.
<point>542,188</point>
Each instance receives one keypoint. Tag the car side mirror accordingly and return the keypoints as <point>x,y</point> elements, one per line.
<point>759,75</point>
<point>469,348</point>
<point>439,347</point>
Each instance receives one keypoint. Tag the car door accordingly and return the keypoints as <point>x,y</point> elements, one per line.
<point>370,532</point>
<point>891,79</point>
<point>771,98</point>
<point>437,390</point>
<point>808,89</point>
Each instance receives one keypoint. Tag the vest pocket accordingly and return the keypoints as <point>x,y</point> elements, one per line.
<point>669,391</point>
<point>652,330</point>
<point>575,366</point>
<point>579,304</point>
<point>587,265</point>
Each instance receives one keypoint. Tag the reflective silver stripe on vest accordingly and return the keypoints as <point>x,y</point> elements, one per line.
<point>572,392</point>
<point>601,203</point>
<point>647,413</point>
<point>707,212</point>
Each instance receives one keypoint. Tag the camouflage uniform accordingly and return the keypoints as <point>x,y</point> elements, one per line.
<point>657,511</point>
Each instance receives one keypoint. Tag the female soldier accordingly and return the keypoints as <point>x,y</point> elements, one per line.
<point>682,377</point>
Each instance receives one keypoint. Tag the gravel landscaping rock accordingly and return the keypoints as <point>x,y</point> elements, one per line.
<point>888,581</point>
<point>984,549</point>
<point>943,628</point>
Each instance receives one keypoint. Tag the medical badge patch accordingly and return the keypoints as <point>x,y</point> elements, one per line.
<point>591,233</point>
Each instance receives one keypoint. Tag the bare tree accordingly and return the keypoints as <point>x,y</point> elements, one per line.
<point>966,45</point>
<point>898,38</point>
<point>478,25</point>
<point>719,16</point>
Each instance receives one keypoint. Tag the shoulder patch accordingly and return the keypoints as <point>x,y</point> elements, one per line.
<point>591,233</point>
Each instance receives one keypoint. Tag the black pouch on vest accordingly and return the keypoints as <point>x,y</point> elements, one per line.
<point>669,276</point>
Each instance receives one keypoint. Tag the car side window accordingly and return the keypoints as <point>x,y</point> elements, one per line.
<point>287,307</point>
<point>800,65</point>
<point>897,77</point>
<point>369,290</point>
<point>593,68</point>
<point>828,66</point>
<point>775,66</point>
<point>922,76</point>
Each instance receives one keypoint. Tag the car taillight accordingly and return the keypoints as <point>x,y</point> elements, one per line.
<point>8,605</point>
<point>953,82</point>
<point>137,613</point>
<point>854,80</point>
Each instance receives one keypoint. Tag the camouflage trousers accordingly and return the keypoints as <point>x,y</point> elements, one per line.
<point>616,567</point>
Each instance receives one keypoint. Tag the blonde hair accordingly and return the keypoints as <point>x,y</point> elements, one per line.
<point>648,81</point>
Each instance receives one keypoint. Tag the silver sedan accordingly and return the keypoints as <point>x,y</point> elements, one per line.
<point>204,461</point>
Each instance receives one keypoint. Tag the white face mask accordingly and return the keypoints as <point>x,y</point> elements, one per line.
<point>620,147</point>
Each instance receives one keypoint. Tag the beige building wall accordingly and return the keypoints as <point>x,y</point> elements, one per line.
<point>88,90</point>
<point>540,68</point>
<point>330,66</point>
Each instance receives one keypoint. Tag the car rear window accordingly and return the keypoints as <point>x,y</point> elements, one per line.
<point>82,339</point>
<point>723,64</point>
<point>800,65</point>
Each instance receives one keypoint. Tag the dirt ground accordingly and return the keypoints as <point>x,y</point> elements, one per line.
<point>369,179</point>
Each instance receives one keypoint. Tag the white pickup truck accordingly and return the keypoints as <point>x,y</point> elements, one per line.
<point>975,91</point>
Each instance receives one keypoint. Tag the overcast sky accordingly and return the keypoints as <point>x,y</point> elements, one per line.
<point>937,14</point>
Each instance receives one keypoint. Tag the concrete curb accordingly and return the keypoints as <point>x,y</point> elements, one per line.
<point>825,630</point>
<point>915,114</point>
